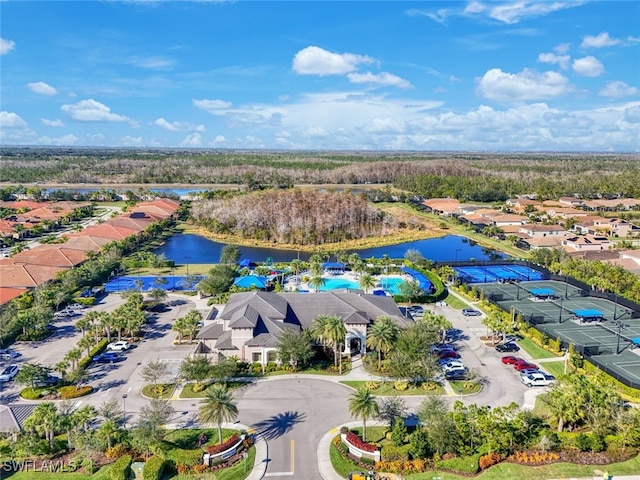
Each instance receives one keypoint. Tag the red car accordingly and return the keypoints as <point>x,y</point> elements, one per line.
<point>510,359</point>
<point>522,365</point>
<point>448,354</point>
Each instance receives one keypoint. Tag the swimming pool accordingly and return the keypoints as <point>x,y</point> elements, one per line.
<point>388,284</point>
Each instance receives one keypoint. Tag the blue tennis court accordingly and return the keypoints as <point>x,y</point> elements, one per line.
<point>496,273</point>
<point>124,283</point>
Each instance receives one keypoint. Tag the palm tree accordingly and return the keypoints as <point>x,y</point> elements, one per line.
<point>316,282</point>
<point>367,282</point>
<point>217,407</point>
<point>330,330</point>
<point>363,405</point>
<point>439,321</point>
<point>45,419</point>
<point>381,336</point>
<point>73,356</point>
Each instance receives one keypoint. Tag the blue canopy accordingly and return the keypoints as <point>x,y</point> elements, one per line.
<point>543,292</point>
<point>587,313</point>
<point>333,265</point>
<point>249,281</point>
<point>245,262</point>
<point>424,283</point>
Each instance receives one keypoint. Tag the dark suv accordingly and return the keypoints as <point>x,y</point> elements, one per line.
<point>471,312</point>
<point>507,347</point>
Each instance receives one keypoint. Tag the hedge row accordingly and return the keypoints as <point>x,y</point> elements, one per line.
<point>153,468</point>
<point>99,348</point>
<point>121,468</point>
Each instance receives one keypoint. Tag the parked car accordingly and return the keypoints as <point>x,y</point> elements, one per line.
<point>507,347</point>
<point>453,365</point>
<point>448,354</point>
<point>47,381</point>
<point>416,310</point>
<point>524,364</point>
<point>510,359</point>
<point>536,380</point>
<point>457,374</point>
<point>77,306</point>
<point>107,357</point>
<point>528,371</point>
<point>471,312</point>
<point>8,373</point>
<point>8,354</point>
<point>119,346</point>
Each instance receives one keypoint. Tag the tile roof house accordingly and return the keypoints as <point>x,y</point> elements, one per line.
<point>250,322</point>
<point>586,242</point>
<point>537,230</point>
<point>57,255</point>
<point>24,275</point>
<point>7,294</point>
<point>442,206</point>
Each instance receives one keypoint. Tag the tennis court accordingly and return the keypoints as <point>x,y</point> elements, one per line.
<point>496,273</point>
<point>603,330</point>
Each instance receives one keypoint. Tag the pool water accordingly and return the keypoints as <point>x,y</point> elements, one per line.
<point>388,284</point>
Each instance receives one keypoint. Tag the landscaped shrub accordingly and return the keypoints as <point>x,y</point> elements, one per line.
<point>597,443</point>
<point>535,458</point>
<point>428,386</point>
<point>582,442</point>
<point>489,459</point>
<point>372,385</point>
<point>226,445</point>
<point>30,393</point>
<point>357,442</point>
<point>116,451</point>
<point>179,456</point>
<point>391,453</point>
<point>153,468</point>
<point>100,346</point>
<point>71,391</point>
<point>399,433</point>
<point>407,466</point>
<point>121,468</point>
<point>401,385</point>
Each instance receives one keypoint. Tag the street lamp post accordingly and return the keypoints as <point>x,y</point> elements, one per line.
<point>124,410</point>
<point>456,258</point>
<point>187,258</point>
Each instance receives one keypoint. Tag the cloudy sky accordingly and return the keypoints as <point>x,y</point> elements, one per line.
<point>383,75</point>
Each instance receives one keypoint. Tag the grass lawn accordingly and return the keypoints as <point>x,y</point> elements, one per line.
<point>554,368</point>
<point>507,470</point>
<point>343,466</point>
<point>540,408</point>
<point>165,390</point>
<point>534,350</point>
<point>464,387</point>
<point>386,389</point>
<point>456,303</point>
<point>187,391</point>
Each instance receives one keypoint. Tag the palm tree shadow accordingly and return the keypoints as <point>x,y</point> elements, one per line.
<point>278,425</point>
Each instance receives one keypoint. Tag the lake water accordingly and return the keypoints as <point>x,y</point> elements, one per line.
<point>189,248</point>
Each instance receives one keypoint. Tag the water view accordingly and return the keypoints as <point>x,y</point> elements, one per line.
<point>189,248</point>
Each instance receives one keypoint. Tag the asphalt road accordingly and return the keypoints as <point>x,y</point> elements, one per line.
<point>291,414</point>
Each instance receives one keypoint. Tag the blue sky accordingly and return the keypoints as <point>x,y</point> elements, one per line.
<point>383,75</point>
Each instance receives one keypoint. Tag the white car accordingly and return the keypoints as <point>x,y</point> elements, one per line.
<point>453,365</point>
<point>536,380</point>
<point>8,373</point>
<point>119,346</point>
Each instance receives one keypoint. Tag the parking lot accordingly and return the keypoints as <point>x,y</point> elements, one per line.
<point>109,378</point>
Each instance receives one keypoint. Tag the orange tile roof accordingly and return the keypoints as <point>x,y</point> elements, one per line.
<point>106,231</point>
<point>87,243</point>
<point>138,224</point>
<point>52,255</point>
<point>13,274</point>
<point>7,294</point>
<point>28,204</point>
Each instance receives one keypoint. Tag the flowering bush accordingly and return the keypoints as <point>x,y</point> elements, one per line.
<point>357,442</point>
<point>226,445</point>
<point>372,385</point>
<point>489,459</point>
<point>116,451</point>
<point>534,458</point>
<point>401,385</point>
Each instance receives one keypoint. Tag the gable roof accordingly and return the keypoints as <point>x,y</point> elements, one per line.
<point>21,275</point>
<point>7,294</point>
<point>53,255</point>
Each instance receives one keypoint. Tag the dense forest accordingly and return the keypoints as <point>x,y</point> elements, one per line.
<point>293,216</point>
<point>467,176</point>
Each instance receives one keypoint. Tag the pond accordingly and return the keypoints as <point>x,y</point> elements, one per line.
<point>190,248</point>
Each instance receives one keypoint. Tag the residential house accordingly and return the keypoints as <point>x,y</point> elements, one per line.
<point>537,230</point>
<point>586,242</point>
<point>442,206</point>
<point>570,201</point>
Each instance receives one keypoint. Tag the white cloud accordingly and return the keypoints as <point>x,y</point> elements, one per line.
<point>11,120</point>
<point>52,123</point>
<point>178,126</point>
<point>514,12</point>
<point>192,140</point>
<point>562,48</point>
<point>130,141</point>
<point>6,46</point>
<point>219,140</point>
<point>92,111</point>
<point>524,86</point>
<point>317,61</point>
<point>439,16</point>
<point>152,62</point>
<point>562,60</point>
<point>588,66</point>
<point>42,88</point>
<point>601,40</point>
<point>210,105</point>
<point>618,89</point>
<point>65,140</point>
<point>382,78</point>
